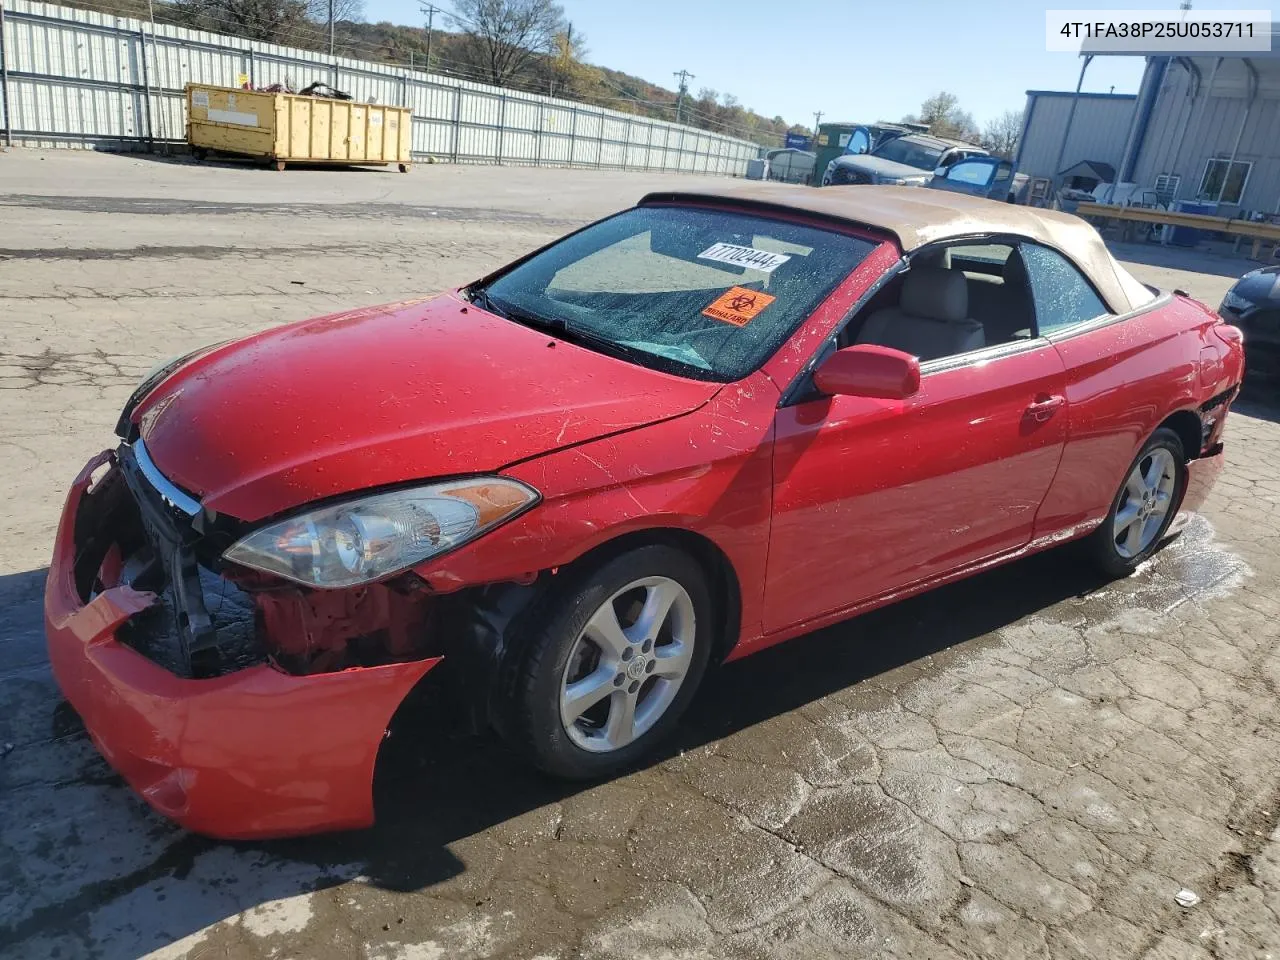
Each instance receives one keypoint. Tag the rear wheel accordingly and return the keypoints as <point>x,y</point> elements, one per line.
<point>613,664</point>
<point>1143,507</point>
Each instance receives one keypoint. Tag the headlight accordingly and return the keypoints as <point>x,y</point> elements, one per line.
<point>906,181</point>
<point>1233,301</point>
<point>363,540</point>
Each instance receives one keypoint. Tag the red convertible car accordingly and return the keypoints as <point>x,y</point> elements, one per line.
<point>694,429</point>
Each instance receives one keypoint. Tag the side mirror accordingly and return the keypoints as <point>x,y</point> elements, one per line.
<point>867,370</point>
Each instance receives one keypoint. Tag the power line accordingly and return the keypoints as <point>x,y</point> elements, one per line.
<point>685,76</point>
<point>431,12</point>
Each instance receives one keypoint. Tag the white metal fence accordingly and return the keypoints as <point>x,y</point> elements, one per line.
<point>79,78</point>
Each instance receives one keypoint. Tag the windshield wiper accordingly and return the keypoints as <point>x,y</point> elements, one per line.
<point>559,327</point>
<point>480,297</point>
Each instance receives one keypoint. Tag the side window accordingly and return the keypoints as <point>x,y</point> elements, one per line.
<point>1061,294</point>
<point>976,173</point>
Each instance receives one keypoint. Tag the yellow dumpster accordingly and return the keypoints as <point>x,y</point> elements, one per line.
<point>284,127</point>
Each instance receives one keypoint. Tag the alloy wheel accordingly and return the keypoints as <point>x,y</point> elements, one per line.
<point>627,664</point>
<point>1145,502</point>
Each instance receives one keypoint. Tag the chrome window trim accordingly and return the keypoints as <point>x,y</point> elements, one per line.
<point>169,493</point>
<point>982,355</point>
<point>1013,347</point>
<point>1106,319</point>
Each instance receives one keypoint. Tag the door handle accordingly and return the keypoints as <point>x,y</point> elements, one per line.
<point>1044,407</point>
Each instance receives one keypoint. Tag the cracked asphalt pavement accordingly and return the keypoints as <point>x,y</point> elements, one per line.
<point>1030,763</point>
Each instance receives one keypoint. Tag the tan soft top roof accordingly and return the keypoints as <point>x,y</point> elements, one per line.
<point>917,216</point>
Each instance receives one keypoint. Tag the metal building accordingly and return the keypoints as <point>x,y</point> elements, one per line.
<point>1097,132</point>
<point>1208,128</point>
<point>1201,128</point>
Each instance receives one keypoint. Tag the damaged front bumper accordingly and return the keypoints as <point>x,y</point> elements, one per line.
<point>253,752</point>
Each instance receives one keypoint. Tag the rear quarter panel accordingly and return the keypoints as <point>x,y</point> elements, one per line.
<point>1123,380</point>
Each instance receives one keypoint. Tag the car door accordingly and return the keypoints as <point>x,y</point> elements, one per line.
<point>872,496</point>
<point>1118,376</point>
<point>859,141</point>
<point>973,175</point>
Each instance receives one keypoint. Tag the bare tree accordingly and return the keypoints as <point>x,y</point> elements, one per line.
<point>351,11</point>
<point>505,35</point>
<point>1002,134</point>
<point>274,21</point>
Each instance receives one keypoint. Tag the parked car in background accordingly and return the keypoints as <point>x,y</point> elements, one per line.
<point>695,429</point>
<point>790,165</point>
<point>909,160</point>
<point>836,138</point>
<point>1253,305</point>
<point>982,176</point>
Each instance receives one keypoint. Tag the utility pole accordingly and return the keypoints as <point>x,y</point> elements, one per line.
<point>685,76</point>
<point>817,120</point>
<point>331,28</point>
<point>431,12</point>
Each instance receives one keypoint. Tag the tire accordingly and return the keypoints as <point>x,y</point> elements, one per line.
<point>562,645</point>
<point>1118,552</point>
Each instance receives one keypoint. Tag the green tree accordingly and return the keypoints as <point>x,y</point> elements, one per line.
<point>568,75</point>
<point>942,113</point>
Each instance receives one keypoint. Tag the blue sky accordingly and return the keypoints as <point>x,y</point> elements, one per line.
<point>859,60</point>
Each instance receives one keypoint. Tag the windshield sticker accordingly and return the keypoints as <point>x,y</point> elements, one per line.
<point>738,305</point>
<point>749,257</point>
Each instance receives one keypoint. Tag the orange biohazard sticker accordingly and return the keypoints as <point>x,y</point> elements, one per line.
<point>738,306</point>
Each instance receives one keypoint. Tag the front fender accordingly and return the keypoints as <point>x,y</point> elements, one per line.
<point>709,472</point>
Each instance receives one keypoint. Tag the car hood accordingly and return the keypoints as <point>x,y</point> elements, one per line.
<point>880,167</point>
<point>1260,286</point>
<point>386,395</point>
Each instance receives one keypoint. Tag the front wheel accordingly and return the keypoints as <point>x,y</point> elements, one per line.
<point>1143,507</point>
<point>612,664</point>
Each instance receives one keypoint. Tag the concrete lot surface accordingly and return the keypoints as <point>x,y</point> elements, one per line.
<point>1027,764</point>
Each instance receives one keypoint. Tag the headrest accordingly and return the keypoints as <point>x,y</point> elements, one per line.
<point>1015,270</point>
<point>933,258</point>
<point>935,293</point>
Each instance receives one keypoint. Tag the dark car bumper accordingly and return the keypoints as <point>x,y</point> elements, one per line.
<point>254,752</point>
<point>1261,329</point>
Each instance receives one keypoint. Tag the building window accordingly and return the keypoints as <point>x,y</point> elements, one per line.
<point>1167,185</point>
<point>1222,185</point>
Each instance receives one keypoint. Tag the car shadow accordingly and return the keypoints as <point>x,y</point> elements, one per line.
<point>458,785</point>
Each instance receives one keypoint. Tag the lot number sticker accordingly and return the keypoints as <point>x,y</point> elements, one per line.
<point>738,306</point>
<point>749,257</point>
